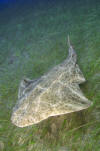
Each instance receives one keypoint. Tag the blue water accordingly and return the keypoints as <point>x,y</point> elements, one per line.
<point>4,4</point>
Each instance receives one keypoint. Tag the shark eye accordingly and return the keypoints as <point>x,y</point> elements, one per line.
<point>23,85</point>
<point>26,82</point>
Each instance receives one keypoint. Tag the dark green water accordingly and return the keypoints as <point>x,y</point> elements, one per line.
<point>32,40</point>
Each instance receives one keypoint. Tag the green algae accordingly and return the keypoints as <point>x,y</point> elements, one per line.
<point>31,44</point>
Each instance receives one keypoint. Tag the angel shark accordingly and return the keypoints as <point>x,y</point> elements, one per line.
<point>56,92</point>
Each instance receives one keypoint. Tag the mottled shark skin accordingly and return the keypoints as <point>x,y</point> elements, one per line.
<point>54,93</point>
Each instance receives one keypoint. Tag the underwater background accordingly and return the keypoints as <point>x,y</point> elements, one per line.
<point>33,39</point>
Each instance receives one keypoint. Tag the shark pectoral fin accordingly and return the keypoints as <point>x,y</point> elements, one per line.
<point>78,75</point>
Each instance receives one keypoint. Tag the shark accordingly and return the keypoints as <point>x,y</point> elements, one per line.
<point>57,92</point>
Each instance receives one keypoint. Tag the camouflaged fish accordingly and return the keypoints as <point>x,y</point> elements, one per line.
<point>56,92</point>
